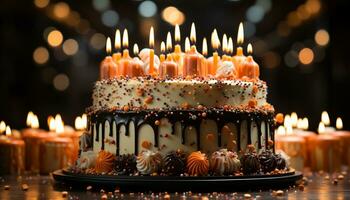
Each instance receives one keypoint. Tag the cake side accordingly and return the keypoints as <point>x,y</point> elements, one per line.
<point>143,93</point>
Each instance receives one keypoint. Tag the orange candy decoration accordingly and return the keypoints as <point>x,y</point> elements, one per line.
<point>197,164</point>
<point>104,162</point>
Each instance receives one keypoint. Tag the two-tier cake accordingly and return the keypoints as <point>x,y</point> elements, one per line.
<point>179,114</point>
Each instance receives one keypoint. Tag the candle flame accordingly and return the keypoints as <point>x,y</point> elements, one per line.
<point>250,48</point>
<point>117,41</point>
<point>339,123</point>
<point>35,122</point>
<point>204,47</point>
<point>240,36</point>
<point>51,123</point>
<point>321,128</point>
<point>136,49</point>
<point>224,43</point>
<point>230,45</point>
<point>108,46</point>
<point>78,123</point>
<point>169,44</point>
<point>281,130</point>
<point>294,119</point>
<point>29,118</point>
<point>125,38</point>
<point>325,118</point>
<point>2,126</point>
<point>151,38</point>
<point>84,120</point>
<point>215,41</point>
<point>177,33</point>
<point>59,124</point>
<point>8,131</point>
<point>193,33</point>
<point>287,120</point>
<point>305,123</point>
<point>300,123</point>
<point>162,47</point>
<point>187,45</point>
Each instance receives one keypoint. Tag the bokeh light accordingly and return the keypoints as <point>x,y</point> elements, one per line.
<point>98,41</point>
<point>265,4</point>
<point>249,29</point>
<point>61,10</point>
<point>101,5</point>
<point>70,47</point>
<point>61,82</point>
<point>110,18</point>
<point>322,37</point>
<point>306,56</point>
<point>173,16</point>
<point>40,55</point>
<point>55,38</point>
<point>271,59</point>
<point>41,3</point>
<point>291,58</point>
<point>147,9</point>
<point>255,13</point>
<point>313,6</point>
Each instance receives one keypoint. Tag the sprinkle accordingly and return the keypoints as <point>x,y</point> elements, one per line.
<point>64,194</point>
<point>25,187</point>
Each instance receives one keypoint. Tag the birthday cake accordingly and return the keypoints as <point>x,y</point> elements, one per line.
<point>179,114</point>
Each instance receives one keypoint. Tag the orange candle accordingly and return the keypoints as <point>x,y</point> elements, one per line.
<point>239,58</point>
<point>325,155</point>
<point>135,66</point>
<point>162,50</point>
<point>344,142</point>
<point>117,45</point>
<point>178,55</point>
<point>12,154</point>
<point>203,71</point>
<point>192,63</point>
<point>216,58</point>
<point>151,52</point>
<point>249,68</point>
<point>125,62</point>
<point>224,48</point>
<point>108,68</point>
<point>168,68</point>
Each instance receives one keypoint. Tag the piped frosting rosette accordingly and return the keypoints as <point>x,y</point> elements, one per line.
<point>104,162</point>
<point>197,164</point>
<point>224,162</point>
<point>226,69</point>
<point>87,160</point>
<point>148,162</point>
<point>144,55</point>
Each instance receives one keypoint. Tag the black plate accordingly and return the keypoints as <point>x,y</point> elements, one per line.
<point>169,183</point>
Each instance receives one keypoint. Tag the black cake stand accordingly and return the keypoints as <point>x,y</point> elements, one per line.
<point>178,183</point>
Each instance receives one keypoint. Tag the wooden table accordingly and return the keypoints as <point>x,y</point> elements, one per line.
<point>319,186</point>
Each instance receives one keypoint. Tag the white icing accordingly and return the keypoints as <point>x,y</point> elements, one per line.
<point>87,160</point>
<point>226,69</point>
<point>144,55</point>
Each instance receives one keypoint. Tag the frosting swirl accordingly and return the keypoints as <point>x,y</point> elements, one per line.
<point>250,163</point>
<point>197,164</point>
<point>125,164</point>
<point>224,162</point>
<point>148,162</point>
<point>226,70</point>
<point>267,161</point>
<point>144,55</point>
<point>104,162</point>
<point>175,163</point>
<point>86,160</point>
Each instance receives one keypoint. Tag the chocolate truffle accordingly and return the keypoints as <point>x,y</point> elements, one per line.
<point>267,161</point>
<point>250,161</point>
<point>125,164</point>
<point>280,162</point>
<point>175,163</point>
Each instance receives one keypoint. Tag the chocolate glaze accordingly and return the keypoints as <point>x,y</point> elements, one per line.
<point>187,118</point>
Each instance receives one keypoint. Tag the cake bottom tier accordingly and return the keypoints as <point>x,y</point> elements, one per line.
<point>130,132</point>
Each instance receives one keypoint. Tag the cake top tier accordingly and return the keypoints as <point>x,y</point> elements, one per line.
<point>173,63</point>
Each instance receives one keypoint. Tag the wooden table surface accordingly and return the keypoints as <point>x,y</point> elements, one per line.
<point>317,186</point>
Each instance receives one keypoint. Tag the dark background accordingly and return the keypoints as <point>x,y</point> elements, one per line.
<point>306,89</point>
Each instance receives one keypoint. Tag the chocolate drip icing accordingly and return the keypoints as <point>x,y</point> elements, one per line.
<point>187,118</point>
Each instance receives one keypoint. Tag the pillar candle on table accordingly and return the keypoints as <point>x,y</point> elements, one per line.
<point>325,155</point>
<point>117,45</point>
<point>12,154</point>
<point>108,68</point>
<point>326,121</point>
<point>32,137</point>
<point>293,145</point>
<point>344,136</point>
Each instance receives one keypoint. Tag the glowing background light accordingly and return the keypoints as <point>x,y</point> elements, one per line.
<point>255,14</point>
<point>110,18</point>
<point>70,47</point>
<point>61,10</point>
<point>101,5</point>
<point>147,9</point>
<point>61,82</point>
<point>41,55</point>
<point>173,16</point>
<point>306,56</point>
<point>291,58</point>
<point>322,37</point>
<point>55,38</point>
<point>98,41</point>
<point>41,3</point>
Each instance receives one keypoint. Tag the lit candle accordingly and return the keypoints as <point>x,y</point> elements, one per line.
<point>178,55</point>
<point>249,68</point>
<point>192,59</point>
<point>2,127</point>
<point>230,47</point>
<point>108,68</point>
<point>325,155</point>
<point>32,137</point>
<point>12,154</point>
<point>187,45</point>
<point>117,45</point>
<point>203,72</point>
<point>125,62</point>
<point>162,52</point>
<point>215,43</point>
<point>135,68</point>
<point>326,121</point>
<point>344,141</point>
<point>152,71</point>
<point>56,152</point>
<point>239,58</point>
<point>168,68</point>
<point>293,145</point>
<point>224,47</point>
